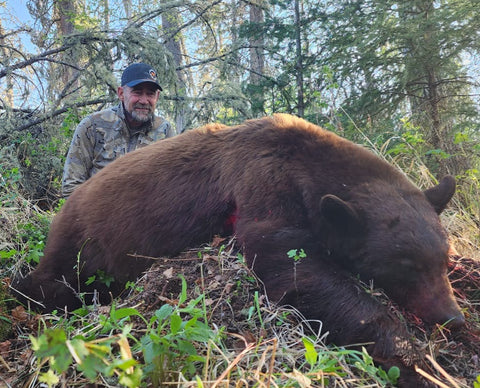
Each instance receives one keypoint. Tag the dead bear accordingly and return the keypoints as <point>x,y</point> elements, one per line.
<point>289,185</point>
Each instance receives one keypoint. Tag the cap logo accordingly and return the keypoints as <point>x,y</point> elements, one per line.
<point>138,73</point>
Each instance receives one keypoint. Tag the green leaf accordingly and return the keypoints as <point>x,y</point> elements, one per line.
<point>186,347</point>
<point>52,343</point>
<point>183,295</point>
<point>394,374</point>
<point>49,378</point>
<point>77,345</point>
<point>191,305</point>
<point>175,323</point>
<point>164,312</point>
<point>292,253</point>
<point>90,280</point>
<point>7,254</point>
<point>476,383</point>
<point>311,354</point>
<point>199,381</point>
<point>124,312</point>
<point>131,380</point>
<point>81,311</point>
<point>124,364</point>
<point>460,137</point>
<point>91,366</point>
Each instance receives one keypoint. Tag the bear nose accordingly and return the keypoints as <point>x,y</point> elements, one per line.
<point>456,322</point>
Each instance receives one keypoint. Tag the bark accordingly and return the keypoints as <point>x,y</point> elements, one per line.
<point>174,43</point>
<point>4,52</point>
<point>257,60</point>
<point>68,79</point>
<point>299,61</point>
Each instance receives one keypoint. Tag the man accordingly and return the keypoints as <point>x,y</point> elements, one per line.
<point>104,136</point>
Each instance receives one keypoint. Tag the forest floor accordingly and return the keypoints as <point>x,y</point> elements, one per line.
<point>262,343</point>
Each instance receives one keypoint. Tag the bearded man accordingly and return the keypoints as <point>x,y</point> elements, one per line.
<point>106,135</point>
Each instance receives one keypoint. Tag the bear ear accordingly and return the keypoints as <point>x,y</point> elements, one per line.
<point>339,214</point>
<point>441,194</point>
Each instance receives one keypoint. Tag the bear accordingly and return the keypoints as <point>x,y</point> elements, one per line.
<point>277,183</point>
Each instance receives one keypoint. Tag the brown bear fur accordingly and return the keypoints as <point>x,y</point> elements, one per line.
<point>289,185</point>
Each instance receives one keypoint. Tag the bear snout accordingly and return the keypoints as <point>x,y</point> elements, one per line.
<point>440,308</point>
<point>456,322</point>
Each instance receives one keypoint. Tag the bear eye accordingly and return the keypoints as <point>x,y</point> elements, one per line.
<point>410,264</point>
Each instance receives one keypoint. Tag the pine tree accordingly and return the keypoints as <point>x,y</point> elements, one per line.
<point>404,58</point>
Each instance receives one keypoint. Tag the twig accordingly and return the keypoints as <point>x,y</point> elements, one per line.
<point>2,360</point>
<point>430,377</point>
<point>27,297</point>
<point>233,363</point>
<point>442,371</point>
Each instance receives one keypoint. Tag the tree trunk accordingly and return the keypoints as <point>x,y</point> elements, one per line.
<point>257,61</point>
<point>299,61</point>
<point>5,53</point>
<point>174,43</point>
<point>430,107</point>
<point>66,77</point>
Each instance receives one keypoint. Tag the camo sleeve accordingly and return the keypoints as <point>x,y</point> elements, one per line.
<point>161,129</point>
<point>169,130</point>
<point>79,158</point>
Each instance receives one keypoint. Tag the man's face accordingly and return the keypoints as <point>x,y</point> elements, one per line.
<point>139,102</point>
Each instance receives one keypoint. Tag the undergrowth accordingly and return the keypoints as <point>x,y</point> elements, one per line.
<point>102,346</point>
<point>175,344</point>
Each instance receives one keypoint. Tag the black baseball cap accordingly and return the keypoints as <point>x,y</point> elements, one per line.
<point>137,73</point>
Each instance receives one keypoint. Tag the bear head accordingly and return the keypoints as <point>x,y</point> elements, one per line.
<point>392,235</point>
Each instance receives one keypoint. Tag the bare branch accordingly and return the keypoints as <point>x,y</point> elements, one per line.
<point>62,110</point>
<point>199,15</point>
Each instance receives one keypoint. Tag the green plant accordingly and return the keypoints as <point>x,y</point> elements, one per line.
<point>326,361</point>
<point>476,383</point>
<point>168,345</point>
<point>70,121</point>
<point>166,348</point>
<point>296,255</point>
<point>241,259</point>
<point>29,241</point>
<point>364,362</point>
<point>408,142</point>
<point>256,309</point>
<point>34,237</point>
<point>439,153</point>
<point>282,318</point>
<point>107,356</point>
<point>133,286</point>
<point>9,183</point>
<point>6,255</point>
<point>102,277</point>
<point>330,363</point>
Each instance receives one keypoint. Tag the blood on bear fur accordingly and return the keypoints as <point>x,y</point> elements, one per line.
<point>281,183</point>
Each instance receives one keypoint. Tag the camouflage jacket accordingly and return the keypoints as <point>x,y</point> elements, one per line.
<point>103,137</point>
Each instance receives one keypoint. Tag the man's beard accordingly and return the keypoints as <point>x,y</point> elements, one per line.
<point>141,118</point>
